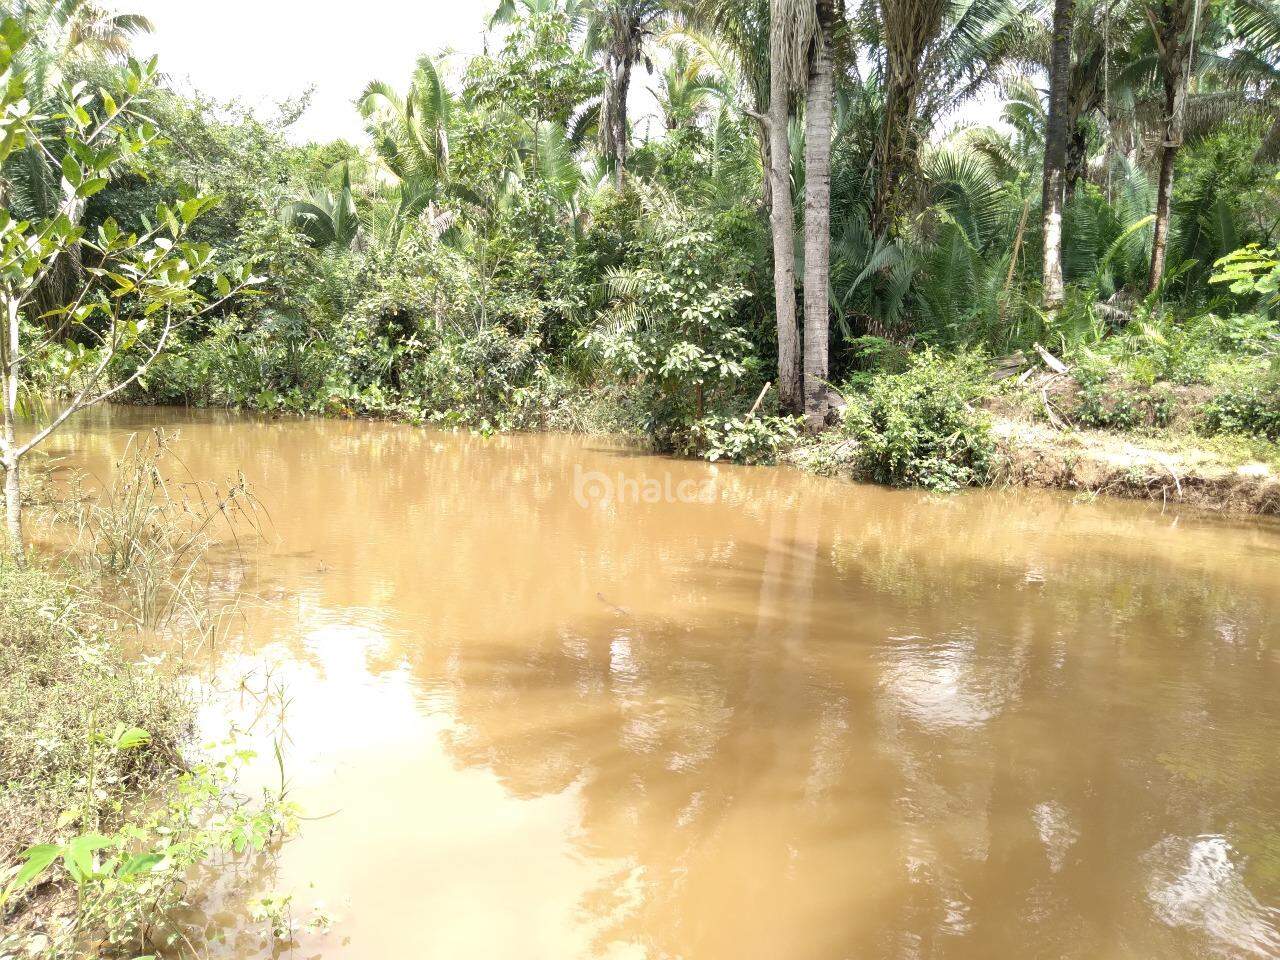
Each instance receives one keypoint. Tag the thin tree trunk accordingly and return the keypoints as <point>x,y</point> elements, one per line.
<point>1175,48</point>
<point>819,108</point>
<point>13,510</point>
<point>8,431</point>
<point>782,221</point>
<point>620,123</point>
<point>1164,201</point>
<point>1055,154</point>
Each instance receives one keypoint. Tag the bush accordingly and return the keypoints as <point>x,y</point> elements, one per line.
<point>1252,409</point>
<point>921,428</point>
<point>1108,402</point>
<point>749,440</point>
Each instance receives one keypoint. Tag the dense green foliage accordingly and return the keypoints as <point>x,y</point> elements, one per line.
<point>922,427</point>
<point>480,262</point>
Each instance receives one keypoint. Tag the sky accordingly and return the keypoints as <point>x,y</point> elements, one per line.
<point>262,52</point>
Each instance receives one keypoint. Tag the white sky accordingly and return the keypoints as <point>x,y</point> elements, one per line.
<point>264,51</point>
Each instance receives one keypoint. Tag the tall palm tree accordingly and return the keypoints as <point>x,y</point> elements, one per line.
<point>620,29</point>
<point>909,27</point>
<point>1175,25</point>
<point>1055,153</point>
<point>938,54</point>
<point>792,24</point>
<point>819,110</point>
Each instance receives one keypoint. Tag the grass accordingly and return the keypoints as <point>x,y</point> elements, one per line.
<point>107,804</point>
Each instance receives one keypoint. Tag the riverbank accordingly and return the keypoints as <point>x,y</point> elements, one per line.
<point>87,740</point>
<point>107,803</point>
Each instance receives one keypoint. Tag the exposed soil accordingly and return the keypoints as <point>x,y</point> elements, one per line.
<point>1097,462</point>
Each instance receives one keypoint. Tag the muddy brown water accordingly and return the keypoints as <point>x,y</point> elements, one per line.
<point>556,699</point>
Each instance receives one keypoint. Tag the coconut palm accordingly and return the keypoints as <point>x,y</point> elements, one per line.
<point>619,30</point>
<point>1055,154</point>
<point>819,111</point>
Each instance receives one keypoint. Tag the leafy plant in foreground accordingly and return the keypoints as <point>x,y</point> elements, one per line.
<point>922,428</point>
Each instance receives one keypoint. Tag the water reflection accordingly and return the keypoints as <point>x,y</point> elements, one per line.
<point>806,720</point>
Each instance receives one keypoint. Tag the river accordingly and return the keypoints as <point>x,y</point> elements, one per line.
<point>551,698</point>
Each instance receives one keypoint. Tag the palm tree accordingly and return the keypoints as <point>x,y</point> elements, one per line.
<point>792,24</point>
<point>909,27</point>
<point>619,29</point>
<point>508,10</point>
<point>938,54</point>
<point>410,136</point>
<point>1175,25</point>
<point>328,220</point>
<point>819,109</point>
<point>686,87</point>
<point>1055,154</point>
<point>411,133</point>
<point>1256,25</point>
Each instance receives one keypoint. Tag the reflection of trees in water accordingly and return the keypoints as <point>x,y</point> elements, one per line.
<point>813,720</point>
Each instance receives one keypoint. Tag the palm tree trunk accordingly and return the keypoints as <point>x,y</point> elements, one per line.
<point>819,108</point>
<point>620,134</point>
<point>909,27</point>
<point>1164,201</point>
<point>1175,48</point>
<point>1055,154</point>
<point>1077,156</point>
<point>9,353</point>
<point>782,222</point>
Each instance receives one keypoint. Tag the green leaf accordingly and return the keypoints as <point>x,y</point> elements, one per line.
<point>79,854</point>
<point>38,859</point>
<point>71,171</point>
<point>132,738</point>
<point>142,863</point>
<point>91,187</point>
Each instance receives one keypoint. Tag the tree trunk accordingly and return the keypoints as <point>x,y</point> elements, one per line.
<point>13,510</point>
<point>1164,200</point>
<point>1055,154</point>
<point>613,122</point>
<point>620,134</point>
<point>782,221</point>
<point>9,347</point>
<point>1077,156</point>
<point>1174,46</point>
<point>894,156</point>
<point>819,108</point>
<point>909,27</point>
